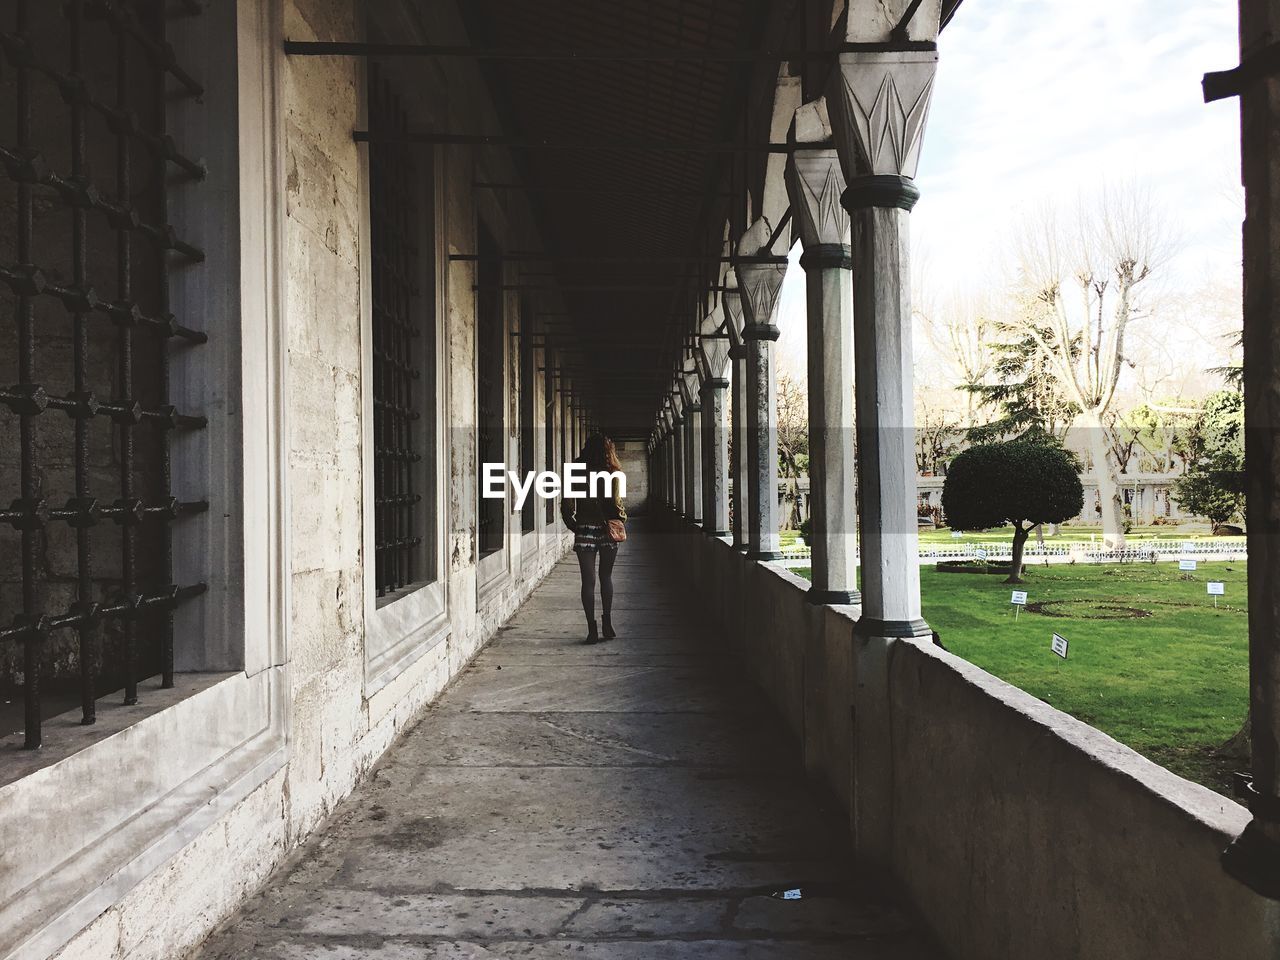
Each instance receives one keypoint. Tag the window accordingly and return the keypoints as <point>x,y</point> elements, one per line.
<point>402,260</point>
<point>527,436</point>
<point>490,389</point>
<point>86,434</point>
<point>549,427</point>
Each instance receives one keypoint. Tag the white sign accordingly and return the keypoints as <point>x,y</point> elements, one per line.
<point>1019,597</point>
<point>1186,564</point>
<point>1059,646</point>
<point>1216,588</point>
<point>956,534</point>
<point>980,554</point>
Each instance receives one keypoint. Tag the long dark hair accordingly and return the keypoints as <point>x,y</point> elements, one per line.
<point>599,453</point>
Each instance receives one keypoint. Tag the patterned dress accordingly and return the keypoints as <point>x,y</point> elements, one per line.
<point>587,517</point>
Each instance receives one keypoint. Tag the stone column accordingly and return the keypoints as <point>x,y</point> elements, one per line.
<point>741,519</point>
<point>878,105</point>
<point>667,465</point>
<point>715,438</point>
<point>1254,856</point>
<point>691,389</point>
<point>815,184</point>
<point>673,461</point>
<point>759,284</point>
<point>681,452</point>
<point>713,361</point>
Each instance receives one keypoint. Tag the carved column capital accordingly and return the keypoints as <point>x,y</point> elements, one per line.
<point>878,105</point>
<point>713,345</point>
<point>691,388</point>
<point>758,283</point>
<point>734,315</point>
<point>815,180</point>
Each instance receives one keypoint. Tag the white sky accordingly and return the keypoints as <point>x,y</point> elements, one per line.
<point>1042,100</point>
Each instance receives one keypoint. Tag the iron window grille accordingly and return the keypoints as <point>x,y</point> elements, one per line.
<point>402,257</point>
<point>527,453</point>
<point>86,252</point>
<point>490,394</point>
<point>549,428</point>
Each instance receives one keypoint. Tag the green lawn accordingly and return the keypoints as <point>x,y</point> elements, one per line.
<point>1171,682</point>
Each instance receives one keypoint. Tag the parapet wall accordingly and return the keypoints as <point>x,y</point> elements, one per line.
<point>1013,829</point>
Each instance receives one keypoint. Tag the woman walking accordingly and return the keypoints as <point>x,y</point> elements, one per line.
<point>589,519</point>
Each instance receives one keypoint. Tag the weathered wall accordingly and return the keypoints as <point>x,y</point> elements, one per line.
<point>1069,843</point>
<point>635,464</point>
<point>336,726</point>
<point>1014,829</point>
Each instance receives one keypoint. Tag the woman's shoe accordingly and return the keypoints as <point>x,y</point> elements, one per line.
<point>592,636</point>
<point>607,626</point>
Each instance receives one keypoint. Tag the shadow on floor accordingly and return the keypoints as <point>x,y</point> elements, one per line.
<point>627,800</point>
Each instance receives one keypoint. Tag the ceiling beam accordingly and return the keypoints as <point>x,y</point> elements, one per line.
<point>593,54</point>
<point>548,143</point>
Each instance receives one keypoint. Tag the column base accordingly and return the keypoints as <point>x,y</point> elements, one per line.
<point>742,547</point>
<point>906,629</point>
<point>765,555</point>
<point>833,597</point>
<point>1253,858</point>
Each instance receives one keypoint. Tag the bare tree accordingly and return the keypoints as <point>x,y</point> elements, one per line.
<point>793,440</point>
<point>1082,281</point>
<point>961,329</point>
<point>937,433</point>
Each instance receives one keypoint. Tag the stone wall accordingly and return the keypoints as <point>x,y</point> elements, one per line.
<point>635,464</point>
<point>333,721</point>
<point>1013,829</point>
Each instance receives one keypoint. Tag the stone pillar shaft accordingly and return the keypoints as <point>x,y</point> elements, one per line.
<point>762,443</point>
<point>693,474</point>
<point>741,520</point>
<point>885,412</point>
<point>668,470</point>
<point>681,466</point>
<point>759,284</point>
<point>833,535</point>
<point>715,440</point>
<point>1254,857</point>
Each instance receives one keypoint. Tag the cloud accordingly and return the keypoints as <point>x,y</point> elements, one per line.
<point>1041,101</point>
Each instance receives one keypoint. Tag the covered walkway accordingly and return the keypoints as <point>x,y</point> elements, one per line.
<point>628,800</point>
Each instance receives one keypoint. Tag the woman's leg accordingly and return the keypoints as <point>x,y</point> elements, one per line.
<point>587,565</point>
<point>607,558</point>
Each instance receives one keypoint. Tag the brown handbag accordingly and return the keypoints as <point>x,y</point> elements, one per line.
<point>615,528</point>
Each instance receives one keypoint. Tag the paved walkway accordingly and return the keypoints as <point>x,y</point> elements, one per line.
<point>628,801</point>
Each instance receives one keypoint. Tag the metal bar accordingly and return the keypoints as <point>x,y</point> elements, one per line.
<point>119,120</point>
<point>87,630</point>
<point>502,140</point>
<point>124,293</point>
<point>396,334</point>
<point>639,259</point>
<point>311,48</point>
<point>124,608</point>
<point>137,603</point>
<point>591,191</point>
<point>1221,84</point>
<point>899,32</point>
<point>343,48</point>
<point>166,377</point>
<point>31,646</point>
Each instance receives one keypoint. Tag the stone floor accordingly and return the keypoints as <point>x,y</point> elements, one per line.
<point>629,800</point>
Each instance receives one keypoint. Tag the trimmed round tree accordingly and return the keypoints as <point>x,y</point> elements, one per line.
<point>1020,482</point>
